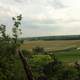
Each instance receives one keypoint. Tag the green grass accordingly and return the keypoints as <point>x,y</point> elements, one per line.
<point>69,56</point>
<point>65,56</point>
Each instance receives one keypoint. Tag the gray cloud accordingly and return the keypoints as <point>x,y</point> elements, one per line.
<point>43,17</point>
<point>57,4</point>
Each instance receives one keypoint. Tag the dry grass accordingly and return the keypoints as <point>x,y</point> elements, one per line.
<point>65,56</point>
<point>54,45</point>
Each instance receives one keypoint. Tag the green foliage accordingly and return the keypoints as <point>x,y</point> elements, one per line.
<point>16,30</point>
<point>42,65</point>
<point>38,50</point>
<point>37,62</point>
<point>68,73</point>
<point>51,67</point>
<point>10,65</point>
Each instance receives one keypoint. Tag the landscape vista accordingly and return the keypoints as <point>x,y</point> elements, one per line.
<point>39,39</point>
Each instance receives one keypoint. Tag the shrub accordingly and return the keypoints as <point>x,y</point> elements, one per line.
<point>38,50</point>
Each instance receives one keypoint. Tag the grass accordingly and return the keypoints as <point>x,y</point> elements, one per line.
<point>65,56</point>
<point>54,45</point>
<point>69,56</point>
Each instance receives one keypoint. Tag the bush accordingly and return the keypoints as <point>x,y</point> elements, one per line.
<point>37,62</point>
<point>38,50</point>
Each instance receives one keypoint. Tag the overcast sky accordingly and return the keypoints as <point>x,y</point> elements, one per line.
<point>43,17</point>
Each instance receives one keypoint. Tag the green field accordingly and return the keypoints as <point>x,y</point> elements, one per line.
<point>65,56</point>
<point>68,56</point>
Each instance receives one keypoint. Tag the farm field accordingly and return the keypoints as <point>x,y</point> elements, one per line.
<point>53,45</point>
<point>65,56</point>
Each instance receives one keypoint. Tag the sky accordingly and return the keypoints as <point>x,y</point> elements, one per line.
<point>42,17</point>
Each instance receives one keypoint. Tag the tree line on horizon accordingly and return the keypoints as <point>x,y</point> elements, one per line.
<point>65,37</point>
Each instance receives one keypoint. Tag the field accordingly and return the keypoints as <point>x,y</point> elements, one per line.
<point>54,45</point>
<point>66,56</point>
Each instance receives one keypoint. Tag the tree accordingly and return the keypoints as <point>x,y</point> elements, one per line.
<point>10,64</point>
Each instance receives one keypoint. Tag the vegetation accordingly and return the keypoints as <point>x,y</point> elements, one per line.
<point>50,38</point>
<point>39,64</point>
<point>52,45</point>
<point>38,50</point>
<point>10,65</point>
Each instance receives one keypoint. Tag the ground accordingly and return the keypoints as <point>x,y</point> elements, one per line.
<point>57,45</point>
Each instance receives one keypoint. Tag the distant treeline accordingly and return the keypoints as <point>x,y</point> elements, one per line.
<point>65,37</point>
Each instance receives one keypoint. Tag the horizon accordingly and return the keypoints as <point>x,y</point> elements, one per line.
<point>42,17</point>
<point>50,36</point>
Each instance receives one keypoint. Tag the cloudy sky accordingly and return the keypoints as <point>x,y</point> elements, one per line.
<point>43,17</point>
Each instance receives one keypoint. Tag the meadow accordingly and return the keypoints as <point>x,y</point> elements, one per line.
<point>54,45</point>
<point>70,56</point>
